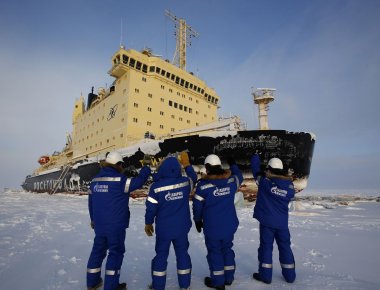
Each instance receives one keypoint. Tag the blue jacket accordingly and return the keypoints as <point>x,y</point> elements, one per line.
<point>167,203</point>
<point>273,197</point>
<point>213,203</point>
<point>108,198</point>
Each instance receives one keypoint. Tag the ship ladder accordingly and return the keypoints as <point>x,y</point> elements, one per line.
<point>64,172</point>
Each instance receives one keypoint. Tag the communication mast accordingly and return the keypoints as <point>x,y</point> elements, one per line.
<point>262,97</point>
<point>183,35</point>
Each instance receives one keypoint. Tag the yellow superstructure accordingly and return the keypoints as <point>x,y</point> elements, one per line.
<point>149,97</point>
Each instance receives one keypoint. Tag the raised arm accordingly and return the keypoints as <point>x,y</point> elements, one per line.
<point>255,165</point>
<point>133,183</point>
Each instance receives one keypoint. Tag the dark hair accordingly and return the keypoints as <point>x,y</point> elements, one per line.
<point>214,169</point>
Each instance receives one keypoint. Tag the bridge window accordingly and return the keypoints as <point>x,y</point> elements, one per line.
<point>132,62</point>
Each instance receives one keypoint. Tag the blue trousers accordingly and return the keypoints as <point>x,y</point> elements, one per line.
<point>267,237</point>
<point>112,241</point>
<point>160,262</point>
<point>221,259</point>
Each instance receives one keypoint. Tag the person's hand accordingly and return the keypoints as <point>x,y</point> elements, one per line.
<point>184,159</point>
<point>199,226</point>
<point>149,230</point>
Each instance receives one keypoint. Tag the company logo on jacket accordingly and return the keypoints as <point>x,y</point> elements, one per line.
<point>221,191</point>
<point>100,188</point>
<point>173,195</point>
<point>278,191</point>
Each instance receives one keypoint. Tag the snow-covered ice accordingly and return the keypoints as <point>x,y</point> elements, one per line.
<point>45,241</point>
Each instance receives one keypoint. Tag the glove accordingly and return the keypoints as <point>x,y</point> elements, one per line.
<point>184,159</point>
<point>146,160</point>
<point>199,226</point>
<point>149,230</point>
<point>92,224</point>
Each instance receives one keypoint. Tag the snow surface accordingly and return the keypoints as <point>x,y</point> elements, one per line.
<point>45,241</point>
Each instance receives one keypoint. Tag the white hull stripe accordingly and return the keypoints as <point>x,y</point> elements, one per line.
<point>151,199</point>
<point>184,272</point>
<point>127,184</point>
<point>288,266</point>
<point>171,187</point>
<point>106,179</point>
<point>92,271</point>
<point>200,198</point>
<point>217,273</point>
<point>229,268</point>
<point>112,272</point>
<point>264,265</point>
<point>160,274</point>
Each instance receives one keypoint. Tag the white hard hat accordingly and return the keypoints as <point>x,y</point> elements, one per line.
<point>114,157</point>
<point>275,163</point>
<point>213,160</point>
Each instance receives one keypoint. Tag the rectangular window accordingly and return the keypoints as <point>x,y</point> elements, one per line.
<point>182,82</point>
<point>170,103</point>
<point>180,107</point>
<point>132,62</point>
<point>158,70</point>
<point>172,77</point>
<point>168,75</point>
<point>175,105</point>
<point>163,72</point>
<point>125,59</point>
<point>138,65</point>
<point>152,68</point>
<point>177,80</point>
<point>145,68</point>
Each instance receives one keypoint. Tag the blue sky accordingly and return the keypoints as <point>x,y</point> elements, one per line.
<point>322,56</point>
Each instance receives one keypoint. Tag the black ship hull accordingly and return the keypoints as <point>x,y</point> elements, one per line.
<point>294,149</point>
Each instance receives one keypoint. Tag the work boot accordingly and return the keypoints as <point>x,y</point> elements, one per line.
<point>257,277</point>
<point>228,283</point>
<point>122,286</point>
<point>100,284</point>
<point>208,283</point>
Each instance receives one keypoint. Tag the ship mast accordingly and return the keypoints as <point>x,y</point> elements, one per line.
<point>183,35</point>
<point>262,97</point>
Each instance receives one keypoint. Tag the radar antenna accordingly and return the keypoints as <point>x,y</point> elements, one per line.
<point>183,34</point>
<point>262,97</point>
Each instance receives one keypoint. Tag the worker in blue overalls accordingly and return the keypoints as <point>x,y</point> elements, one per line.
<point>275,191</point>
<point>109,212</point>
<point>167,206</point>
<point>214,211</point>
